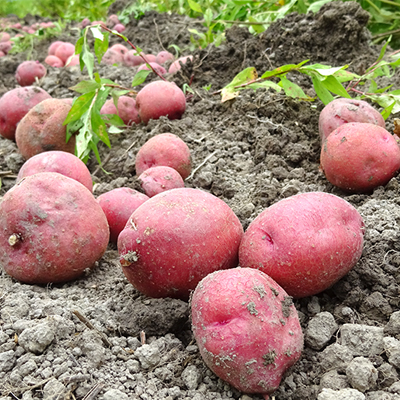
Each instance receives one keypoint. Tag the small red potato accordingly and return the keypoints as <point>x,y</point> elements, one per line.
<point>28,71</point>
<point>341,111</point>
<point>247,329</point>
<point>160,98</point>
<point>53,47</point>
<point>165,149</point>
<point>131,59</point>
<point>157,67</point>
<point>175,239</point>
<point>156,180</point>
<point>14,104</point>
<point>112,20</point>
<point>119,48</point>
<point>127,110</point>
<point>85,22</point>
<point>359,157</point>
<point>150,58</point>
<point>176,65</point>
<point>112,57</point>
<point>118,205</point>
<point>42,129</point>
<point>64,163</point>
<point>2,54</point>
<point>54,61</point>
<point>164,56</point>
<point>73,60</point>
<point>306,242</point>
<point>51,229</point>
<point>64,51</point>
<point>5,47</point>
<point>119,28</point>
<point>4,37</point>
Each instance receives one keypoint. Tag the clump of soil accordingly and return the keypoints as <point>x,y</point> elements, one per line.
<point>100,338</point>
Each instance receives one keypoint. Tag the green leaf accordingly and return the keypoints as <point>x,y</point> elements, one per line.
<point>321,91</point>
<point>315,7</point>
<point>80,107</point>
<point>381,54</point>
<point>247,75</point>
<point>257,28</point>
<point>387,111</point>
<point>99,127</point>
<point>88,60</point>
<point>114,129</point>
<point>86,86</point>
<point>96,33</point>
<point>194,6</point>
<point>79,45</point>
<point>334,86</point>
<point>100,47</point>
<point>283,70</point>
<point>208,16</point>
<point>291,89</point>
<point>140,77</point>
<point>266,85</point>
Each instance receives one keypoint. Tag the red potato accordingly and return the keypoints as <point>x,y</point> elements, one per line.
<point>342,111</point>
<point>2,54</point>
<point>156,180</point>
<point>165,149</point>
<point>160,98</point>
<point>119,28</point>
<point>359,157</point>
<point>5,47</point>
<point>73,60</point>
<point>164,56</point>
<point>176,65</point>
<point>68,100</point>
<point>127,110</point>
<point>112,20</point>
<point>85,22</point>
<point>4,37</point>
<point>150,58</point>
<point>51,229</point>
<point>247,329</point>
<point>118,205</point>
<point>120,48</point>
<point>64,163</point>
<point>54,61</point>
<point>112,57</point>
<point>42,129</point>
<point>131,59</point>
<point>157,67</point>
<point>175,239</point>
<point>64,51</point>
<point>28,71</point>
<point>53,47</point>
<point>14,104</point>
<point>306,242</point>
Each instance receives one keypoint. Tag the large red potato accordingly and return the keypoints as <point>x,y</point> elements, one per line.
<point>342,111</point>
<point>247,329</point>
<point>51,229</point>
<point>305,242</point>
<point>156,180</point>
<point>118,205</point>
<point>57,161</point>
<point>160,98</point>
<point>127,110</point>
<point>175,239</point>
<point>112,57</point>
<point>28,71</point>
<point>42,129</point>
<point>359,157</point>
<point>165,149</point>
<point>14,105</point>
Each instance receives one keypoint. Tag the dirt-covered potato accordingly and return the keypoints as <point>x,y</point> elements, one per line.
<point>51,229</point>
<point>42,129</point>
<point>28,71</point>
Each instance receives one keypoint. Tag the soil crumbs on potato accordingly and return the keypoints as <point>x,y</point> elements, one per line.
<point>259,148</point>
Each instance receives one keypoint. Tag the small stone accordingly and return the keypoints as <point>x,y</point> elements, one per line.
<point>362,374</point>
<point>37,338</point>
<point>336,357</point>
<point>392,349</point>
<point>362,340</point>
<point>387,375</point>
<point>54,390</point>
<point>342,394</point>
<point>7,360</point>
<point>191,377</point>
<point>392,328</point>
<point>320,330</point>
<point>148,355</point>
<point>115,394</point>
<point>333,380</point>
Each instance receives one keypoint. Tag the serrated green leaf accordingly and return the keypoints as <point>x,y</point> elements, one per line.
<point>291,89</point>
<point>79,45</point>
<point>80,107</point>
<point>323,93</point>
<point>194,6</point>
<point>140,77</point>
<point>283,70</point>
<point>334,86</point>
<point>99,127</point>
<point>265,85</point>
<point>96,33</point>
<point>247,75</point>
<point>85,87</point>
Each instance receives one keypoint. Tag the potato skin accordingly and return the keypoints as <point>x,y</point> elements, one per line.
<point>175,239</point>
<point>305,242</point>
<point>28,71</point>
<point>14,105</point>
<point>165,149</point>
<point>247,328</point>
<point>160,98</point>
<point>42,129</point>
<point>57,161</point>
<point>118,205</point>
<point>127,110</point>
<point>342,111</point>
<point>156,180</point>
<point>51,229</point>
<point>358,157</point>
